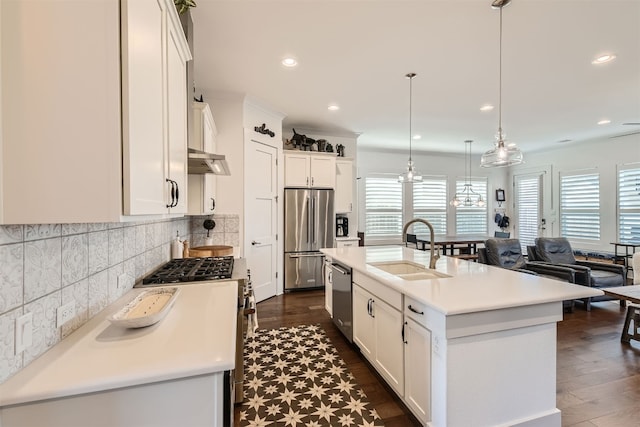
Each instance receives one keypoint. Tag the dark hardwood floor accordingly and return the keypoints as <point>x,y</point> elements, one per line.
<point>598,377</point>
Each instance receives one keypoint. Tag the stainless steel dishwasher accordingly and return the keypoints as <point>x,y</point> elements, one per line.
<point>342,299</point>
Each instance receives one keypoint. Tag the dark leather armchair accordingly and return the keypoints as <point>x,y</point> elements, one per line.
<point>507,253</point>
<point>558,251</point>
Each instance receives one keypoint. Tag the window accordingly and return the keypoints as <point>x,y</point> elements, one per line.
<point>470,219</point>
<point>629,204</point>
<point>383,207</point>
<point>430,202</point>
<point>528,207</point>
<point>580,206</point>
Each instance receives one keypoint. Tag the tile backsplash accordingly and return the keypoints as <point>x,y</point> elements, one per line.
<point>43,267</point>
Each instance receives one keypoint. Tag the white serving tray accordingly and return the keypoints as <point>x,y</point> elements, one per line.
<point>146,309</point>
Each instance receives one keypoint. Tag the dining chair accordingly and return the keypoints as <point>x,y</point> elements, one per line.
<point>413,239</point>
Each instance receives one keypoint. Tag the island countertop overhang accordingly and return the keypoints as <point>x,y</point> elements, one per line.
<point>473,286</point>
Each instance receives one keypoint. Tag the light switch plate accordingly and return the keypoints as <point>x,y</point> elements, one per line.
<point>24,332</point>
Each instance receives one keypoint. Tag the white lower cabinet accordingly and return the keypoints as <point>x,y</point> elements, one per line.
<point>417,366</point>
<point>328,286</point>
<point>377,330</point>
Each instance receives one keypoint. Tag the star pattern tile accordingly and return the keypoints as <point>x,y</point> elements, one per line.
<point>295,377</point>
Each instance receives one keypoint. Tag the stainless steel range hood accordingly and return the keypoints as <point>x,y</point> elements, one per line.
<point>201,163</point>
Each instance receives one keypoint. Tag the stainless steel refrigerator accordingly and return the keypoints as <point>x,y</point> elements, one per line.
<point>309,224</point>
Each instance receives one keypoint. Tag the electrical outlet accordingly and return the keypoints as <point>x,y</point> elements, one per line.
<point>24,332</point>
<point>65,313</point>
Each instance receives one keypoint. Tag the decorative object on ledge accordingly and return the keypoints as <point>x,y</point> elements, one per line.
<point>184,5</point>
<point>329,148</point>
<point>502,154</point>
<point>467,197</point>
<point>340,150</point>
<point>500,196</point>
<point>263,130</point>
<point>411,175</point>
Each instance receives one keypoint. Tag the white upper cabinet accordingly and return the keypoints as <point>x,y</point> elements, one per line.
<point>344,185</point>
<point>93,111</point>
<point>202,187</point>
<point>309,170</point>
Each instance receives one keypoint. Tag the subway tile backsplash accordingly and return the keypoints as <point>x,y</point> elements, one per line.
<point>45,266</point>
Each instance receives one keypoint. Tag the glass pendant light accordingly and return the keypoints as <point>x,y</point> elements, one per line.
<point>502,154</point>
<point>467,197</point>
<point>411,175</point>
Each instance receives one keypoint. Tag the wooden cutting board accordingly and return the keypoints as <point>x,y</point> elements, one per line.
<point>215,250</point>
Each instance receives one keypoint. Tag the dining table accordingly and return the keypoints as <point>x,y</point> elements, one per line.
<point>465,244</point>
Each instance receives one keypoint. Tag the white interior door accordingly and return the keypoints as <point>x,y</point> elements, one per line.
<point>528,208</point>
<point>261,223</point>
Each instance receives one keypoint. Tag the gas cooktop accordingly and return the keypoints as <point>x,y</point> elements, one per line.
<point>191,270</point>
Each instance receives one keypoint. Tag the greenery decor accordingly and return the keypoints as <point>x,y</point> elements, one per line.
<point>184,5</point>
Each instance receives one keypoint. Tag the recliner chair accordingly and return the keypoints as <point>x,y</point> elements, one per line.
<point>507,253</point>
<point>558,251</point>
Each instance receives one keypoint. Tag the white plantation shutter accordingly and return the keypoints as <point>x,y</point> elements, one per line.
<point>629,204</point>
<point>580,206</point>
<point>472,220</point>
<point>430,202</point>
<point>383,207</point>
<point>528,189</point>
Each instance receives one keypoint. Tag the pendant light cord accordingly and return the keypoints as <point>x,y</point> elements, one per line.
<point>500,82</point>
<point>410,76</point>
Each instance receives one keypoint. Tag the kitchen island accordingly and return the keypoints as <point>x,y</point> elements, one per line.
<point>466,344</point>
<point>167,374</point>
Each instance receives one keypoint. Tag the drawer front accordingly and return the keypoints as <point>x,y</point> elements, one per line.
<point>345,243</point>
<point>415,310</point>
<point>385,293</point>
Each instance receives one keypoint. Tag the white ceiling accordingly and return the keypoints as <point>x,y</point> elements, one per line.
<point>355,53</point>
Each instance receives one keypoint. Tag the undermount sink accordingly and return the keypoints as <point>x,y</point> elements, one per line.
<point>408,270</point>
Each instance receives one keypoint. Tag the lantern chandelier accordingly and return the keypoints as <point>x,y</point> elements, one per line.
<point>502,154</point>
<point>467,197</point>
<point>411,175</point>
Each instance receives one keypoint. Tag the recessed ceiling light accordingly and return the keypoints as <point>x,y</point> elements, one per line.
<point>602,59</point>
<point>604,122</point>
<point>417,136</point>
<point>289,62</point>
<point>333,107</point>
<point>486,107</point>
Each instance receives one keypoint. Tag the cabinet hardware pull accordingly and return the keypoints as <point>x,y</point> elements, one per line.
<point>403,340</point>
<point>177,194</point>
<point>372,313</point>
<point>173,194</point>
<point>312,181</point>
<point>213,204</point>
<point>414,310</point>
<point>307,180</point>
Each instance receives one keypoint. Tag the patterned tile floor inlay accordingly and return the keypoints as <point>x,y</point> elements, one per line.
<point>295,377</point>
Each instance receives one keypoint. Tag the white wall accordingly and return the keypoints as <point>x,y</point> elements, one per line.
<point>451,165</point>
<point>605,155</point>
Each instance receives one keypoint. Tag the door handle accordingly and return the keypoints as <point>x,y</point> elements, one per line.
<point>340,270</point>
<point>253,243</point>
<point>305,256</point>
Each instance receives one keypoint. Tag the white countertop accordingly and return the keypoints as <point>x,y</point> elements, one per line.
<point>196,337</point>
<point>474,287</point>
